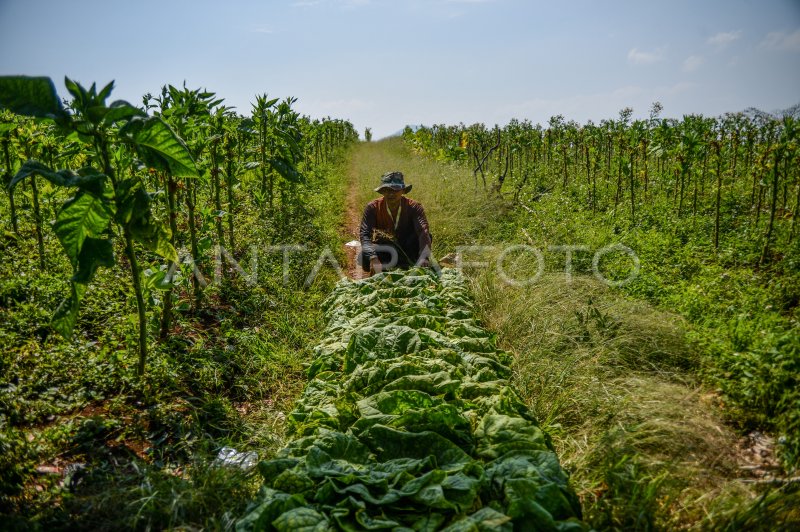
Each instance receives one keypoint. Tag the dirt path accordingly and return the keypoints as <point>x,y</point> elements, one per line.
<point>368,161</point>
<point>350,228</point>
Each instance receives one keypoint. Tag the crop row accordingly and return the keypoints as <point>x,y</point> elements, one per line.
<point>738,171</point>
<point>168,179</point>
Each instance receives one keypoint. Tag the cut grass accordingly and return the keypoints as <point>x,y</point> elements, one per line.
<point>611,380</point>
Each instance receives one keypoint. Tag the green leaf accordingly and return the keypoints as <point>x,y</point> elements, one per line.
<point>379,342</point>
<point>158,279</point>
<point>66,315</point>
<point>270,469</point>
<point>90,180</point>
<point>132,200</point>
<point>389,444</point>
<point>289,139</point>
<point>301,520</point>
<point>375,523</point>
<point>87,179</point>
<point>342,447</point>
<point>419,402</point>
<point>96,113</point>
<point>83,216</point>
<point>525,499</point>
<point>134,212</point>
<point>293,481</point>
<point>274,504</point>
<point>155,134</point>
<point>484,520</point>
<point>153,236</point>
<point>498,434</point>
<point>30,96</point>
<point>77,91</point>
<point>535,476</point>
<point>32,167</point>
<point>121,110</point>
<point>105,92</point>
<point>286,169</point>
<point>94,253</point>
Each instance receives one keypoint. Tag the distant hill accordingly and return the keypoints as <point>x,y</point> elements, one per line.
<point>399,132</point>
<point>793,111</point>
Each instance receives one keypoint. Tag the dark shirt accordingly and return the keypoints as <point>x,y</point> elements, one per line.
<point>412,233</point>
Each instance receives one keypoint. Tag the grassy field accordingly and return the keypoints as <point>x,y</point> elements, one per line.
<point>612,378</point>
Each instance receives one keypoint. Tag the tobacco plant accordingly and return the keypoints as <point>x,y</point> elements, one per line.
<point>110,200</point>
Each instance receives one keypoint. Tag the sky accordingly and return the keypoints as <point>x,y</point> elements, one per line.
<point>384,64</point>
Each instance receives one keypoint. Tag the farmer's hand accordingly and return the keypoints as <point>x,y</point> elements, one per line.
<point>375,266</point>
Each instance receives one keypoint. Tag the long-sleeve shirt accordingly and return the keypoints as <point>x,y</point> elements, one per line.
<point>412,228</point>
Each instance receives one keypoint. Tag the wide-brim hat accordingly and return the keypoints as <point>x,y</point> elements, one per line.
<point>393,180</point>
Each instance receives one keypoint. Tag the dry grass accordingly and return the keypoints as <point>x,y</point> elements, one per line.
<point>612,380</point>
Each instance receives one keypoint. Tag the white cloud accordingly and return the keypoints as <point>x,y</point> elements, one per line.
<point>640,57</point>
<point>781,40</point>
<point>724,38</point>
<point>692,63</point>
<point>262,29</point>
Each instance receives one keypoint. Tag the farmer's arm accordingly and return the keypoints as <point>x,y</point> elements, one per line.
<point>421,228</point>
<point>368,222</point>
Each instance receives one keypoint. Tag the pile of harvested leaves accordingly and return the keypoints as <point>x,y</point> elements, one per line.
<point>408,422</point>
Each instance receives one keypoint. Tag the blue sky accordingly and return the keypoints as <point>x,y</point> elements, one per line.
<point>386,63</point>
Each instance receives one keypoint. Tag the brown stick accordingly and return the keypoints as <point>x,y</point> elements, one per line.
<point>488,153</point>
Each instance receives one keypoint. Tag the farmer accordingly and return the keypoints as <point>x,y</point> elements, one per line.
<point>394,231</point>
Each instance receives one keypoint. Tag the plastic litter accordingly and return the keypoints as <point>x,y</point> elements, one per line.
<point>228,456</point>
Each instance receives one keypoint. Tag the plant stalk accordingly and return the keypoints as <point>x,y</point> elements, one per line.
<point>13,207</point>
<point>166,314</point>
<point>140,305</point>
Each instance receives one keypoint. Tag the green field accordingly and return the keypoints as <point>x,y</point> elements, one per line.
<point>170,287</point>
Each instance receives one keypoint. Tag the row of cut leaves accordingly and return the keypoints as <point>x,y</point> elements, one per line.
<point>408,422</point>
